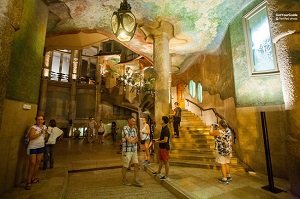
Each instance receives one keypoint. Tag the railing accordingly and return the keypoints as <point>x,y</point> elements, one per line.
<point>218,116</point>
<point>59,76</point>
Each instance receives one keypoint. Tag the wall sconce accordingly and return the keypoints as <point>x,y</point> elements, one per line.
<point>46,72</point>
<point>123,22</point>
<point>74,76</point>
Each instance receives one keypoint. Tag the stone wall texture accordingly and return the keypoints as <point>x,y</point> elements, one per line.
<point>22,32</point>
<point>239,97</point>
<point>250,90</point>
<point>254,95</point>
<point>27,53</point>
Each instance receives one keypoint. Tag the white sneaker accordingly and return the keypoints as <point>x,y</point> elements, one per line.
<point>125,182</point>
<point>138,183</point>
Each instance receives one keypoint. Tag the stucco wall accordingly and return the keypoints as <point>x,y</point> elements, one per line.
<point>250,143</point>
<point>57,106</point>
<point>15,123</point>
<point>27,53</point>
<point>85,103</point>
<point>253,95</point>
<point>240,97</point>
<point>22,87</point>
<point>250,90</point>
<point>215,73</point>
<point>10,18</point>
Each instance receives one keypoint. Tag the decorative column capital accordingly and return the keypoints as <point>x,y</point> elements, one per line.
<point>156,29</point>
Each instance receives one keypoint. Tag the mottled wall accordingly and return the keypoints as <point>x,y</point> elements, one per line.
<point>85,103</point>
<point>250,143</point>
<point>215,73</point>
<point>253,95</point>
<point>22,87</point>
<point>57,106</point>
<point>27,54</point>
<point>10,18</point>
<point>250,90</point>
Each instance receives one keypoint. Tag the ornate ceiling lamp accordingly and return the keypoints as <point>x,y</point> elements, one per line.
<point>123,22</point>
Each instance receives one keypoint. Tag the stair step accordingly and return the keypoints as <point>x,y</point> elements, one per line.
<point>196,140</point>
<point>192,146</point>
<point>200,158</point>
<point>193,150</point>
<point>195,147</point>
<point>194,128</point>
<point>206,165</point>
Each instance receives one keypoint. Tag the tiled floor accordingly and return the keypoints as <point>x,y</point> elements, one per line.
<point>74,155</point>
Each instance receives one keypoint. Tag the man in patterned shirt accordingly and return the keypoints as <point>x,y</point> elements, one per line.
<point>223,142</point>
<point>129,151</point>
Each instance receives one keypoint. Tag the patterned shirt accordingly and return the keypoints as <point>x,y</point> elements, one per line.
<point>224,142</point>
<point>130,133</point>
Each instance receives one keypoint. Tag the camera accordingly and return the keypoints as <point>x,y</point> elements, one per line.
<point>214,125</point>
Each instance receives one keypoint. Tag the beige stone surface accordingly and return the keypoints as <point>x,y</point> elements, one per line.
<point>250,139</point>
<point>103,180</point>
<point>15,122</point>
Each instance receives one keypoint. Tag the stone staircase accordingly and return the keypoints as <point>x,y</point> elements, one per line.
<point>195,147</point>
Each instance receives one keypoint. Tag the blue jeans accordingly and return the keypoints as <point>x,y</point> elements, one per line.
<point>48,156</point>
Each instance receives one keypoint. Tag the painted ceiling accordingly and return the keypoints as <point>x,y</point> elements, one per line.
<point>199,25</point>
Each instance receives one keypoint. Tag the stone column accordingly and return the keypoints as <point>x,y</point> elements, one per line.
<point>286,36</point>
<point>73,78</point>
<point>162,35</point>
<point>44,84</point>
<point>98,88</point>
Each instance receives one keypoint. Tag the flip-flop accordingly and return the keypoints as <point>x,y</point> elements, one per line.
<point>28,186</point>
<point>35,180</point>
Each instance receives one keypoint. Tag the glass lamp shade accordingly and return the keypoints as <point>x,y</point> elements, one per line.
<point>123,25</point>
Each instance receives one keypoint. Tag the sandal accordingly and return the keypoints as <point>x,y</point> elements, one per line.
<point>35,180</point>
<point>27,186</point>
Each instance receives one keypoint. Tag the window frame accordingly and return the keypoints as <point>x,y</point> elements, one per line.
<point>201,94</point>
<point>194,91</point>
<point>248,42</point>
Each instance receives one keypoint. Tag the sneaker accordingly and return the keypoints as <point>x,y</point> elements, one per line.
<point>155,173</point>
<point>138,183</point>
<point>229,179</point>
<point>27,186</point>
<point>223,181</point>
<point>163,178</point>
<point>147,162</point>
<point>125,182</point>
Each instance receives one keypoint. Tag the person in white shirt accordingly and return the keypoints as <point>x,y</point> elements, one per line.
<point>92,129</point>
<point>101,131</point>
<point>35,150</point>
<point>54,132</point>
<point>145,139</point>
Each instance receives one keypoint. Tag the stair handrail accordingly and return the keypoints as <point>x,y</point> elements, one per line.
<point>218,115</point>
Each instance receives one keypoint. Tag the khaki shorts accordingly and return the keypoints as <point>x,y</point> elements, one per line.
<point>129,157</point>
<point>222,159</point>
